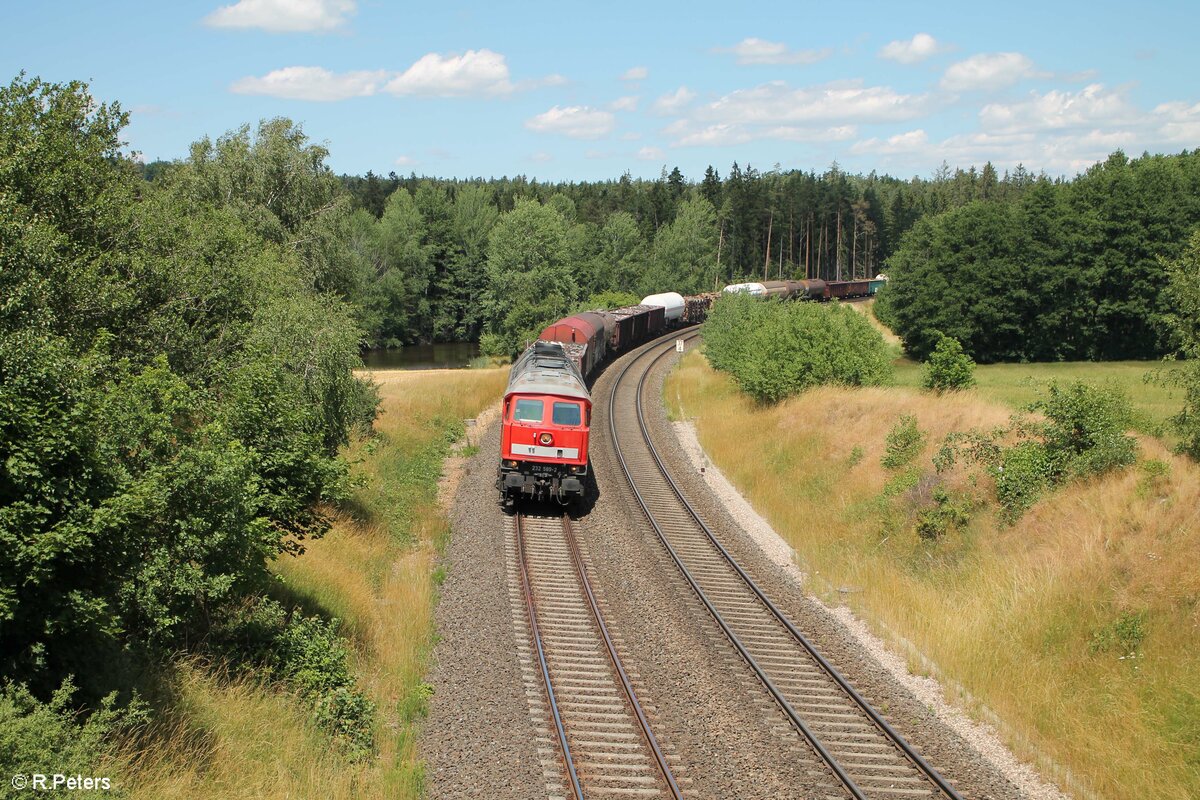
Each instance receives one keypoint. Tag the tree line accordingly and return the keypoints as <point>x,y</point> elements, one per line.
<point>428,268</point>
<point>1064,271</point>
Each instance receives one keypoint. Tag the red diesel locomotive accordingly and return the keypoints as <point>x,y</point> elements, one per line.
<point>544,427</point>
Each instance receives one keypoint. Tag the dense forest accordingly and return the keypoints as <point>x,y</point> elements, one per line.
<point>423,246</point>
<point>1016,266</point>
<point>1067,271</point>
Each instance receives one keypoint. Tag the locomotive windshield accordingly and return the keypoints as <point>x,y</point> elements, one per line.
<point>530,411</point>
<point>566,414</point>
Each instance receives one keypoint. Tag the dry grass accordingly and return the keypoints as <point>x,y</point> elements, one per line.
<point>374,571</point>
<point>1010,613</point>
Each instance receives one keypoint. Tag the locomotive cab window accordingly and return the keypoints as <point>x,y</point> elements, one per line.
<point>528,411</point>
<point>566,414</point>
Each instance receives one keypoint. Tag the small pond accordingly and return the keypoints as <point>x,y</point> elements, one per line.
<point>447,355</point>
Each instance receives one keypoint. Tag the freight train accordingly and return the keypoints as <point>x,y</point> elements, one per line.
<point>547,412</point>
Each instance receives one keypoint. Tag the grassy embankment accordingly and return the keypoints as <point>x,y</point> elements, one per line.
<point>1077,625</point>
<point>375,571</point>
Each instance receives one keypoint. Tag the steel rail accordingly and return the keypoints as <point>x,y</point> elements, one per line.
<point>891,733</point>
<point>787,708</point>
<point>572,774</point>
<point>881,724</point>
<point>630,695</point>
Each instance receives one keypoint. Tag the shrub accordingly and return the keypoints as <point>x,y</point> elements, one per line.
<point>1023,474</point>
<point>1184,322</point>
<point>1085,433</point>
<point>904,443</point>
<point>949,368</point>
<point>53,737</point>
<point>307,655</point>
<point>945,515</point>
<point>774,350</point>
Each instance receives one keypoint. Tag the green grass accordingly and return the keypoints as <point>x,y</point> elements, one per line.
<point>1017,385</point>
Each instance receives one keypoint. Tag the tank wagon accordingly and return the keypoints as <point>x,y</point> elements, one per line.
<point>809,289</point>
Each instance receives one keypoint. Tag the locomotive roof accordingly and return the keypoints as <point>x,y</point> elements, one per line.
<point>545,368</point>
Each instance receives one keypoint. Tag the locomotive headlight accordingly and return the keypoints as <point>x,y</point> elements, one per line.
<point>546,440</point>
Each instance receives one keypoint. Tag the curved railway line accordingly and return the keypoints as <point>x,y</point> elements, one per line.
<point>605,743</point>
<point>867,756</point>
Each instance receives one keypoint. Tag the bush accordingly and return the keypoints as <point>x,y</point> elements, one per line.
<point>949,368</point>
<point>945,515</point>
<point>1184,322</point>
<point>307,655</point>
<point>53,737</point>
<point>904,443</point>
<point>774,350</point>
<point>1023,474</point>
<point>1085,434</point>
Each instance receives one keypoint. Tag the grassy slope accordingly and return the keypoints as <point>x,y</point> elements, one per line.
<point>375,572</point>
<point>1010,613</point>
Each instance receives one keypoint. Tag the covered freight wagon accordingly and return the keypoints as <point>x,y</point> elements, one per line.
<point>588,329</point>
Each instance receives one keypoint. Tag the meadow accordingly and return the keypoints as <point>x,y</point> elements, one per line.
<point>1075,626</point>
<point>376,572</point>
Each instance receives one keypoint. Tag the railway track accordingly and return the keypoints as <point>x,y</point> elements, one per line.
<point>605,746</point>
<point>868,757</point>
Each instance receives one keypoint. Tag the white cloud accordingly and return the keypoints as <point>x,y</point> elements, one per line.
<point>674,102</point>
<point>908,142</point>
<point>311,83</point>
<point>725,133</point>
<point>577,122</point>
<point>541,157</point>
<point>1056,153</point>
<point>912,51</point>
<point>650,154</point>
<point>283,16</point>
<point>760,51</point>
<point>1060,110</point>
<point>711,136</point>
<point>635,74</point>
<point>631,136</point>
<point>475,72</point>
<point>988,71</point>
<point>405,161</point>
<point>822,113</point>
<point>629,103</point>
<point>841,102</point>
<point>1180,123</point>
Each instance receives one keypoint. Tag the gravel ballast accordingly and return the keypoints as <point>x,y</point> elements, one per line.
<point>478,740</point>
<point>726,736</point>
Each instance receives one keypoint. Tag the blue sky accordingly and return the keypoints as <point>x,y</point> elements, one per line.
<point>562,90</point>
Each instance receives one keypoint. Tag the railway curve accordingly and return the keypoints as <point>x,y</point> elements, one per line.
<point>867,756</point>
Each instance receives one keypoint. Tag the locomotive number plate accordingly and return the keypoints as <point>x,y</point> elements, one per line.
<point>543,469</point>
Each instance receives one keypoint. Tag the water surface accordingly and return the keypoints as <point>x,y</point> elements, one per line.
<point>446,355</point>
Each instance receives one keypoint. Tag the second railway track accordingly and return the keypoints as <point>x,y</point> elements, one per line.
<point>603,738</point>
<point>868,758</point>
